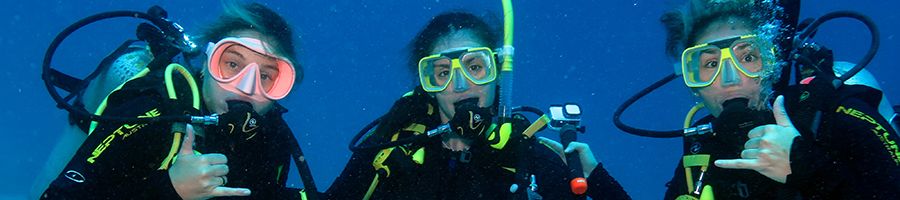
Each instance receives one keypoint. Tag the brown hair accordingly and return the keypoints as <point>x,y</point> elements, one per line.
<point>259,18</point>
<point>684,25</point>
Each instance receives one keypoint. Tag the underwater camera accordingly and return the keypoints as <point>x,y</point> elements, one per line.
<point>567,114</point>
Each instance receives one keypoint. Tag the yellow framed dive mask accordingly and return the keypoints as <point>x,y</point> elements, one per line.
<point>702,64</point>
<point>476,64</point>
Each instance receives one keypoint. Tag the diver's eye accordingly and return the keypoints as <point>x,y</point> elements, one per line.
<point>711,64</point>
<point>231,64</point>
<point>475,68</point>
<point>443,74</point>
<point>749,58</point>
<point>265,76</point>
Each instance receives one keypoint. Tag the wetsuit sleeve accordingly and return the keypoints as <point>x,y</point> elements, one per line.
<point>121,161</point>
<point>811,168</point>
<point>858,156</point>
<point>603,186</point>
<point>677,185</point>
<point>354,181</point>
<point>261,163</point>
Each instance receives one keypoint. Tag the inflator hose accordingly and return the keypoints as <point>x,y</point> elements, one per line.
<point>642,132</point>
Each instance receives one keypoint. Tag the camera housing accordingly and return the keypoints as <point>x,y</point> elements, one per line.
<point>560,115</point>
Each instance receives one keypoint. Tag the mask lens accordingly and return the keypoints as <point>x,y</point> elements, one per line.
<point>230,60</point>
<point>478,66</point>
<point>230,63</point>
<point>748,57</point>
<point>435,73</point>
<point>701,65</point>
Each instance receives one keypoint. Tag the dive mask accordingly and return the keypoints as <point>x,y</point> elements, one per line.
<point>701,64</point>
<point>238,74</point>
<point>475,64</point>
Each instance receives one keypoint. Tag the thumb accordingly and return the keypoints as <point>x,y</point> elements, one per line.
<point>187,146</point>
<point>570,148</point>
<point>781,116</point>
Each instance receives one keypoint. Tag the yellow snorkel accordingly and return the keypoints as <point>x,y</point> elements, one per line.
<point>506,70</point>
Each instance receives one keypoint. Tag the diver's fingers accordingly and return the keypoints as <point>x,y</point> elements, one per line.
<point>757,132</point>
<point>781,116</point>
<point>218,170</point>
<point>752,143</point>
<point>216,181</point>
<point>229,191</point>
<point>555,146</point>
<point>552,143</point>
<point>578,146</point>
<point>750,153</point>
<point>187,146</point>
<point>738,164</point>
<point>215,158</point>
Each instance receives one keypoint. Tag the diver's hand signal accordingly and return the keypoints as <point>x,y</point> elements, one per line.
<point>768,151</point>
<point>588,161</point>
<point>200,176</point>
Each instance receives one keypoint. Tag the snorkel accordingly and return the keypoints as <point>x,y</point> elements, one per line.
<point>523,187</point>
<point>506,69</point>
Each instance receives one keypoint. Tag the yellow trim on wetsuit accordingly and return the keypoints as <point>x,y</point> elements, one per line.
<point>102,106</point>
<point>170,89</point>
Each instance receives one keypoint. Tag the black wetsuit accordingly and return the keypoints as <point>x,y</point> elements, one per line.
<point>130,161</point>
<point>488,175</point>
<point>852,155</point>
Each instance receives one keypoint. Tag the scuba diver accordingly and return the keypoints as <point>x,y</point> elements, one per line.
<point>826,137</point>
<point>466,153</point>
<point>249,66</point>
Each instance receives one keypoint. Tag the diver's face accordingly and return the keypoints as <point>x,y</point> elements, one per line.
<point>459,87</point>
<point>717,93</point>
<point>215,97</point>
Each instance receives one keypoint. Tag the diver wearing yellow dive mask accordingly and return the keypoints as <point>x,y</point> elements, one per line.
<point>476,64</point>
<point>702,64</point>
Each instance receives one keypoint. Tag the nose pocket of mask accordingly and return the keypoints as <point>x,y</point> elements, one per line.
<point>729,74</point>
<point>247,83</point>
<point>461,83</point>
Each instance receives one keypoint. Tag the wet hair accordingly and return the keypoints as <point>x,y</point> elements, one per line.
<point>446,24</point>
<point>685,25</point>
<point>258,18</point>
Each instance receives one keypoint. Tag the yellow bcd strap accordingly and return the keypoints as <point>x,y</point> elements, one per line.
<point>699,160</point>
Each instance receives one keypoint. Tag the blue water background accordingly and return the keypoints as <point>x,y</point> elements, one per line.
<point>596,53</point>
